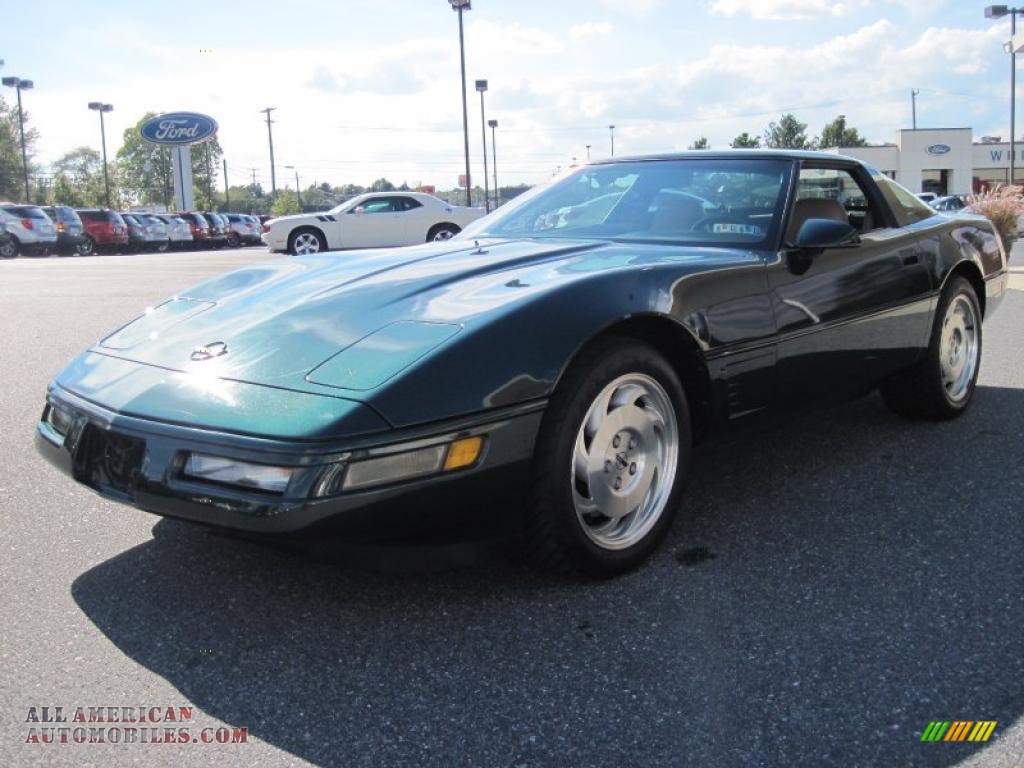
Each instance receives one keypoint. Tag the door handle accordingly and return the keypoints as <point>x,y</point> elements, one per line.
<point>909,258</point>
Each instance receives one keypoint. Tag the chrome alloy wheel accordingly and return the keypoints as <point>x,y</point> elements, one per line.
<point>305,243</point>
<point>958,347</point>
<point>624,462</point>
<point>443,234</point>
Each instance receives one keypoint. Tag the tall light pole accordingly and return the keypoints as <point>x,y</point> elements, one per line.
<point>99,106</point>
<point>298,195</point>
<point>588,151</point>
<point>21,85</point>
<point>494,156</point>
<point>997,12</point>
<point>459,6</point>
<point>270,138</point>
<point>913,107</point>
<point>481,87</point>
<point>611,132</point>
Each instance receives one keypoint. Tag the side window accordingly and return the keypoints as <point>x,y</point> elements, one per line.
<point>842,195</point>
<point>379,205</point>
<point>906,206</point>
<point>409,204</point>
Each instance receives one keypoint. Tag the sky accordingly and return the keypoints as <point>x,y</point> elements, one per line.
<point>371,89</point>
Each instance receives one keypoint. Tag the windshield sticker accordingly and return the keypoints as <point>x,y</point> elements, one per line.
<point>733,228</point>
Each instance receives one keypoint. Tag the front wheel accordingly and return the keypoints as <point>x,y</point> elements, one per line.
<point>610,461</point>
<point>8,248</point>
<point>441,232</point>
<point>304,242</point>
<point>941,385</point>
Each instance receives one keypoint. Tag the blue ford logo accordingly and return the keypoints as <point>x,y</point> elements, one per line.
<point>938,149</point>
<point>178,128</point>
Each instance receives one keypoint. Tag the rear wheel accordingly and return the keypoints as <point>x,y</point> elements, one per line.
<point>86,247</point>
<point>303,242</point>
<point>610,461</point>
<point>442,232</point>
<point>8,248</point>
<point>941,385</point>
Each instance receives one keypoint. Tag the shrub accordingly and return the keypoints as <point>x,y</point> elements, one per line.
<point>1002,206</point>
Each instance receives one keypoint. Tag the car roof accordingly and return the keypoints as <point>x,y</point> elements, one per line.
<point>731,154</point>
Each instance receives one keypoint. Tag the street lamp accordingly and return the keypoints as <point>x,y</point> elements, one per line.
<point>611,132</point>
<point>21,85</point>
<point>459,6</point>
<point>588,152</point>
<point>100,107</point>
<point>997,12</point>
<point>298,195</point>
<point>270,138</point>
<point>494,156</point>
<point>481,87</point>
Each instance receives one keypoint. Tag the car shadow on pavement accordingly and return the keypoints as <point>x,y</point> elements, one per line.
<point>831,587</point>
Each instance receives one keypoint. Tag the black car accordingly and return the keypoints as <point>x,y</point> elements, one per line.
<point>218,229</point>
<point>70,232</point>
<point>551,368</point>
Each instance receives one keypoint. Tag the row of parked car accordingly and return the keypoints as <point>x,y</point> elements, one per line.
<point>31,230</point>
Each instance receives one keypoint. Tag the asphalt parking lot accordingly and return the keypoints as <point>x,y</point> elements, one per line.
<point>831,587</point>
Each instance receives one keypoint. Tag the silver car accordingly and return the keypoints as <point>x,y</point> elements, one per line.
<point>242,229</point>
<point>156,231</point>
<point>178,230</point>
<point>33,231</point>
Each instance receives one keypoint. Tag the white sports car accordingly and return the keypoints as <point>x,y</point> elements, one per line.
<point>372,220</point>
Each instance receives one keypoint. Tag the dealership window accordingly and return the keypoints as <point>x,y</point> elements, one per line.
<point>988,178</point>
<point>936,181</point>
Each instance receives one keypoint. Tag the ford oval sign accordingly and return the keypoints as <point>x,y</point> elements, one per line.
<point>178,128</point>
<point>938,149</point>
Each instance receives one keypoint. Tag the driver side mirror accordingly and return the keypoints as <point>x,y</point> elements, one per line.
<point>819,234</point>
<point>359,209</point>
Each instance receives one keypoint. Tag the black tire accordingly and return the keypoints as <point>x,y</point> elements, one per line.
<point>86,248</point>
<point>554,533</point>
<point>919,393</point>
<point>297,234</point>
<point>233,241</point>
<point>442,232</point>
<point>9,248</point>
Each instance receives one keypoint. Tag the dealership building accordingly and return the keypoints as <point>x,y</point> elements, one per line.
<point>946,161</point>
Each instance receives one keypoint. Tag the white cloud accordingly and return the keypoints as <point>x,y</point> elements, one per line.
<point>579,32</point>
<point>633,7</point>
<point>782,9</point>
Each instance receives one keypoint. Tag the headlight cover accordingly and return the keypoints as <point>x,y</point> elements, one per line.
<point>243,474</point>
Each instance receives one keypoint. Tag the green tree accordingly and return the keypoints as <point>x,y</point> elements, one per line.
<point>746,141</point>
<point>701,143</point>
<point>12,181</point>
<point>78,179</point>
<point>382,185</point>
<point>788,133</point>
<point>838,134</point>
<point>285,204</point>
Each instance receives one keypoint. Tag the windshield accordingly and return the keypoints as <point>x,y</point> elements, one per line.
<point>717,202</point>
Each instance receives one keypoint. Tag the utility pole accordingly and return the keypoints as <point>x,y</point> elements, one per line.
<point>913,108</point>
<point>611,132</point>
<point>270,138</point>
<point>227,195</point>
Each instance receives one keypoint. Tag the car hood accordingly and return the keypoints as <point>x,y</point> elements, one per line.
<point>284,323</point>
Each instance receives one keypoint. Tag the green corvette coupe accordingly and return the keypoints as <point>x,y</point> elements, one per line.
<point>553,365</point>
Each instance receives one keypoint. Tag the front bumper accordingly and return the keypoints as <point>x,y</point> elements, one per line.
<point>140,462</point>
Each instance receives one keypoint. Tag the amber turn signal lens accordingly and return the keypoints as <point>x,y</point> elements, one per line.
<point>463,453</point>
